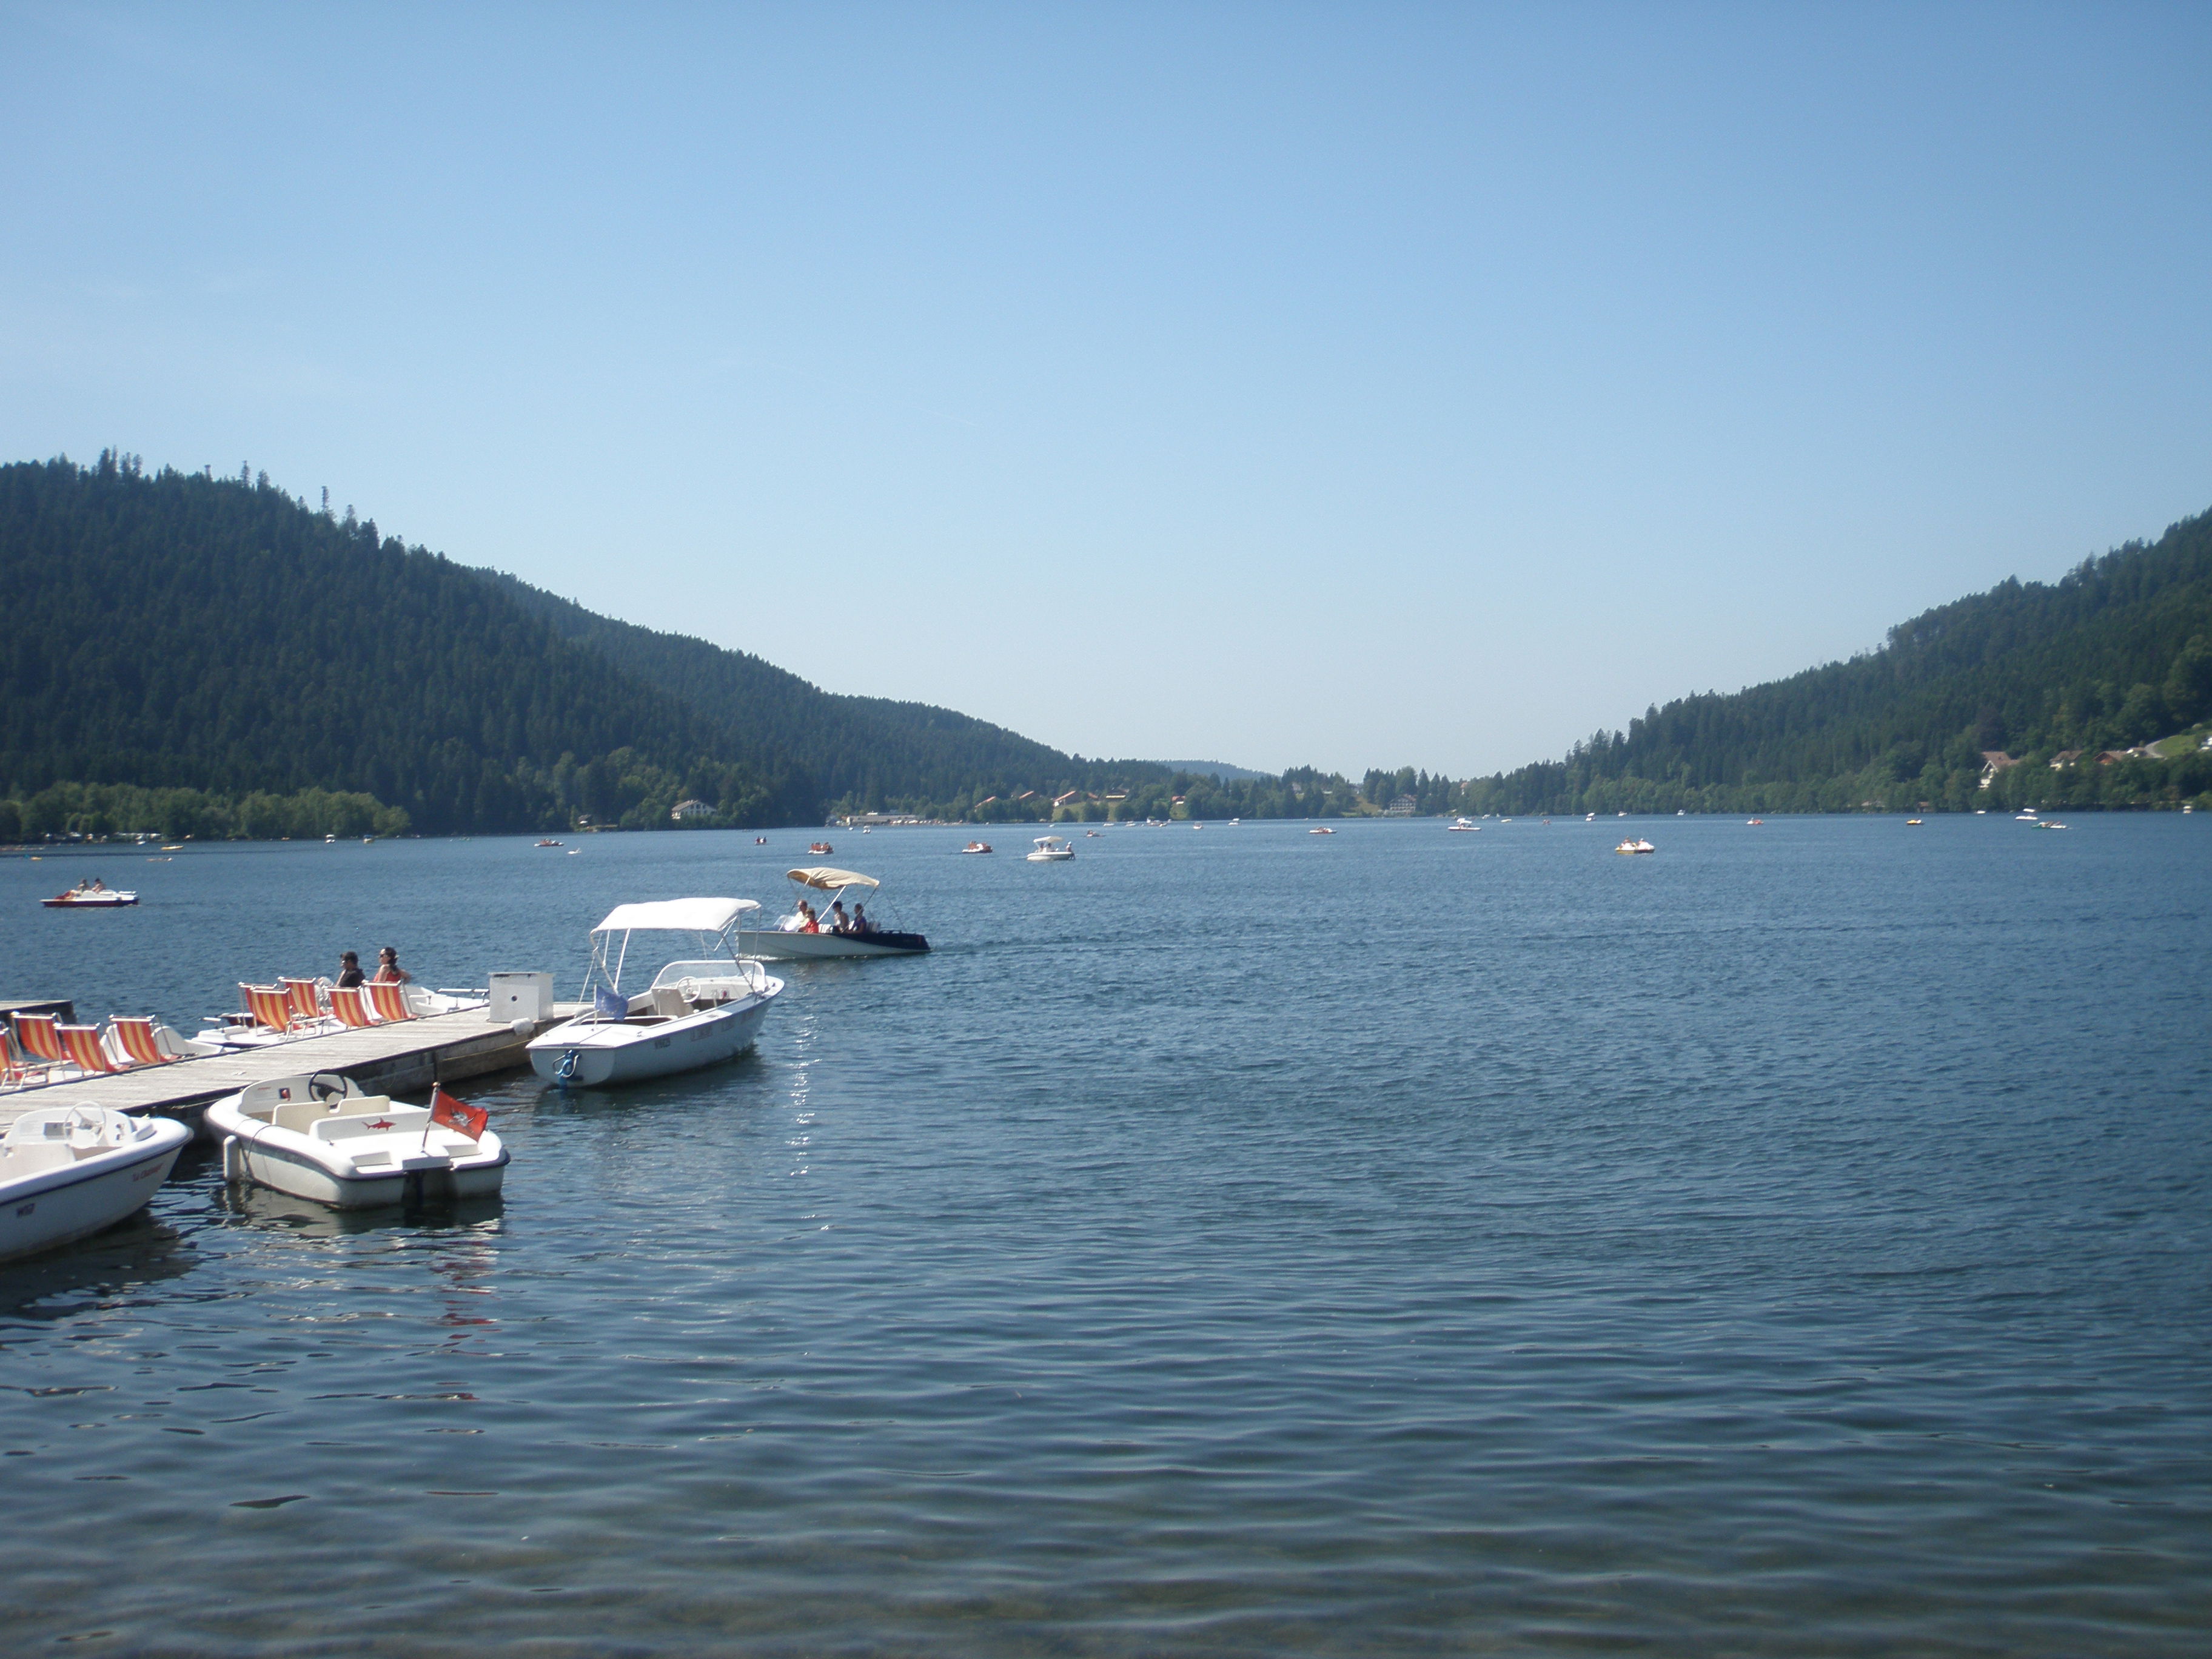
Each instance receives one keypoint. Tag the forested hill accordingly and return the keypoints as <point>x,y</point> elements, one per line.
<point>861,753</point>
<point>190,653</point>
<point>2116,654</point>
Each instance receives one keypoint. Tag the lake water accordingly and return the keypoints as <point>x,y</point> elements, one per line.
<point>1236,1240</point>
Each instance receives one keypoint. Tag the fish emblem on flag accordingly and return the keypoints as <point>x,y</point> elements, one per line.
<point>458,1116</point>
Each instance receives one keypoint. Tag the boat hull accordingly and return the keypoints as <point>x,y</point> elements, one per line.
<point>585,1054</point>
<point>774,946</point>
<point>54,1207</point>
<point>282,1169</point>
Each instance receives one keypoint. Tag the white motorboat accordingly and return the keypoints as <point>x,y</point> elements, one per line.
<point>67,1172</point>
<point>977,847</point>
<point>788,941</point>
<point>1321,830</point>
<point>318,1136</point>
<point>1052,849</point>
<point>1461,826</point>
<point>88,896</point>
<point>698,1010</point>
<point>1637,846</point>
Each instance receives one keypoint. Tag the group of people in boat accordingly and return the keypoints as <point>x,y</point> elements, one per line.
<point>84,886</point>
<point>806,921</point>
<point>388,970</point>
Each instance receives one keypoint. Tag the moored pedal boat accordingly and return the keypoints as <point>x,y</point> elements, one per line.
<point>67,1172</point>
<point>318,1136</point>
<point>698,1011</point>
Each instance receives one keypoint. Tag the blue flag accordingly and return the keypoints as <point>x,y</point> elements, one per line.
<point>610,1005</point>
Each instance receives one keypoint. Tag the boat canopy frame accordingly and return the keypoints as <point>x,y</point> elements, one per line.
<point>710,922</point>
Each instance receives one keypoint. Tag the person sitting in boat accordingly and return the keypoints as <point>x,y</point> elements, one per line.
<point>839,921</point>
<point>98,885</point>
<point>350,974</point>
<point>861,925</point>
<point>388,970</point>
<point>808,921</point>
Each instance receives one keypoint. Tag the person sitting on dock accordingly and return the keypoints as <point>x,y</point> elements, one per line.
<point>388,970</point>
<point>350,974</point>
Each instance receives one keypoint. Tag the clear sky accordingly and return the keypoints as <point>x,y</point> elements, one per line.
<point>1361,384</point>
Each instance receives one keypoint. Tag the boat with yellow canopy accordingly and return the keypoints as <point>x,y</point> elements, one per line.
<point>789,941</point>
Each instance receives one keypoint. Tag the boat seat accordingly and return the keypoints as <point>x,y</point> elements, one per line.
<point>301,1116</point>
<point>28,1158</point>
<point>346,1125</point>
<point>668,1002</point>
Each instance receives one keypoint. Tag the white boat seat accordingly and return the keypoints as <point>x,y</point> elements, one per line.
<point>388,1119</point>
<point>301,1116</point>
<point>668,1002</point>
<point>28,1158</point>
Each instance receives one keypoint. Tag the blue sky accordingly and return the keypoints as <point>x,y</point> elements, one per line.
<point>1357,386</point>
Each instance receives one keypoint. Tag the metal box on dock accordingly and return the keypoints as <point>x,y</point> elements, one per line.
<point>520,996</point>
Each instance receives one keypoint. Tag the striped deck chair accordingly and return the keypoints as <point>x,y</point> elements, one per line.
<point>305,999</point>
<point>389,1000</point>
<point>38,1035</point>
<point>15,1067</point>
<point>134,1035</point>
<point>82,1045</point>
<point>270,1008</point>
<point>351,1007</point>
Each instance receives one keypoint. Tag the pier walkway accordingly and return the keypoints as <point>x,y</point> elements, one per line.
<point>403,1058</point>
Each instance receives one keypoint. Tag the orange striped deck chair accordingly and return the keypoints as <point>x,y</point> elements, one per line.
<point>38,1035</point>
<point>15,1066</point>
<point>270,1008</point>
<point>351,1008</point>
<point>304,997</point>
<point>389,1000</point>
<point>82,1045</point>
<point>134,1035</point>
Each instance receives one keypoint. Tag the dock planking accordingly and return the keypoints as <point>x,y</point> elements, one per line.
<point>400,1060</point>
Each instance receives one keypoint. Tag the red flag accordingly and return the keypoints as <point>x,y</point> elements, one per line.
<point>455,1114</point>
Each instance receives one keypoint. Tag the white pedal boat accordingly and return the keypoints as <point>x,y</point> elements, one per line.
<point>318,1136</point>
<point>67,1172</point>
<point>698,1012</point>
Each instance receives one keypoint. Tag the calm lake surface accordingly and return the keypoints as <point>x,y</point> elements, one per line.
<point>1798,1242</point>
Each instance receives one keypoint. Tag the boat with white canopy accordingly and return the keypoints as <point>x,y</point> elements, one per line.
<point>66,1172</point>
<point>789,941</point>
<point>1052,849</point>
<point>698,1010</point>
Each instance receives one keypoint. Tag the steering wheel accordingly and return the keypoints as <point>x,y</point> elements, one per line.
<point>326,1086</point>
<point>688,988</point>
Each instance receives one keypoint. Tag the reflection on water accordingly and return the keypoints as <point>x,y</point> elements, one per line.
<point>1791,1242</point>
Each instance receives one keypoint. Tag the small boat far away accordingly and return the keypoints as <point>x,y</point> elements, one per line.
<point>698,1010</point>
<point>1461,826</point>
<point>820,848</point>
<point>1052,849</point>
<point>977,847</point>
<point>549,843</point>
<point>93,895</point>
<point>1639,845</point>
<point>1323,829</point>
<point>789,941</point>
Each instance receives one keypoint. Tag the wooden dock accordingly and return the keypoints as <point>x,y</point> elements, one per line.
<point>403,1059</point>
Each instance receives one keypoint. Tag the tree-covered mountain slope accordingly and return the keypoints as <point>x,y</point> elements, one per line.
<point>182,632</point>
<point>2116,653</point>
<point>866,753</point>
